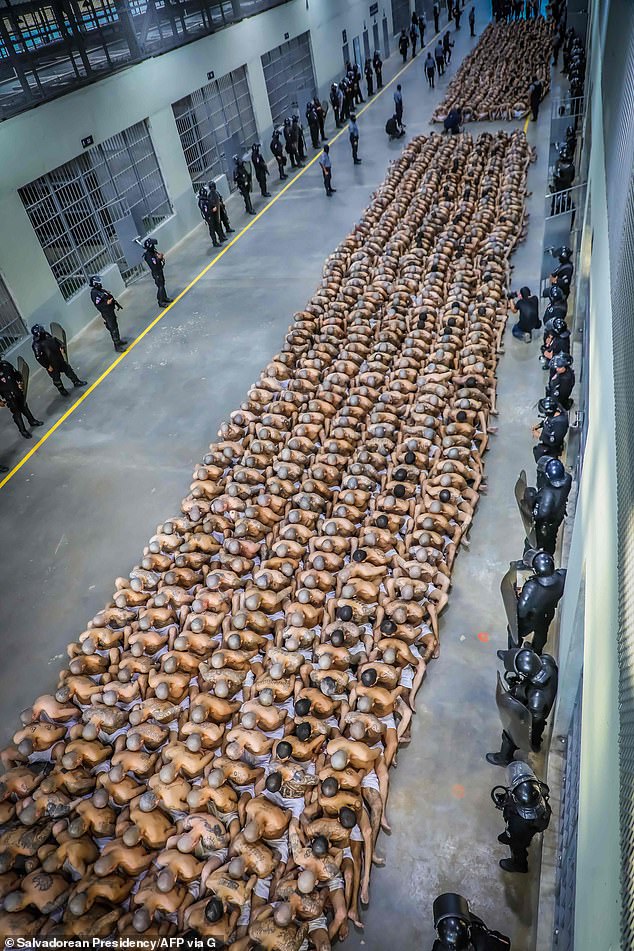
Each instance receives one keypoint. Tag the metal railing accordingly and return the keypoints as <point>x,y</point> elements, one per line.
<point>568,201</point>
<point>48,49</point>
<point>567,107</point>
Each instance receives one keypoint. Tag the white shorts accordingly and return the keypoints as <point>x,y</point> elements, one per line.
<point>388,721</point>
<point>254,760</point>
<point>370,781</point>
<point>407,677</point>
<point>335,883</point>
<point>317,924</point>
<point>262,887</point>
<point>245,915</point>
<point>347,854</point>
<point>356,835</point>
<point>295,805</point>
<point>280,845</point>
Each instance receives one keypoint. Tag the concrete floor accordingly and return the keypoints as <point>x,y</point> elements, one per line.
<point>80,510</point>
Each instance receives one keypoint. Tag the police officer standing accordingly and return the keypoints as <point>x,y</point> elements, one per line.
<point>538,600</point>
<point>335,101</point>
<point>524,805</point>
<point>353,130</point>
<point>436,11</point>
<point>219,211</point>
<point>313,124</point>
<point>242,179</point>
<point>49,353</point>
<point>403,45</point>
<point>298,132</point>
<point>105,302</point>
<point>12,396</point>
<point>551,432</point>
<point>320,118</point>
<point>439,56</point>
<point>210,216</point>
<point>290,141</point>
<point>156,263</point>
<point>535,96</point>
<point>377,62</point>
<point>278,151</point>
<point>369,77</point>
<point>561,381</point>
<point>261,169</point>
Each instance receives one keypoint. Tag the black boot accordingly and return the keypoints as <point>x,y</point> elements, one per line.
<point>119,344</point>
<point>510,866</point>
<point>77,382</point>
<point>19,422</point>
<point>61,388</point>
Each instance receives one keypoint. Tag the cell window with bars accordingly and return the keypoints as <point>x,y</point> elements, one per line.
<point>87,212</point>
<point>12,327</point>
<point>214,122</point>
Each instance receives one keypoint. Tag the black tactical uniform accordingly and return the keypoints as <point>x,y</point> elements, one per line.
<point>369,77</point>
<point>524,805</point>
<point>278,151</point>
<point>49,353</point>
<point>546,504</point>
<point>313,124</point>
<point>377,62</point>
<point>105,302</point>
<point>243,181</point>
<point>219,210</point>
<point>525,703</point>
<point>156,263</point>
<point>261,169</point>
<point>12,396</point>
<point>538,600</point>
<point>301,141</point>
<point>554,430</point>
<point>209,214</point>
<point>561,385</point>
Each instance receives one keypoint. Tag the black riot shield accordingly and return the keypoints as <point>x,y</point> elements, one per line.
<point>58,331</point>
<point>516,719</point>
<point>525,510</point>
<point>509,597</point>
<point>325,105</point>
<point>23,370</point>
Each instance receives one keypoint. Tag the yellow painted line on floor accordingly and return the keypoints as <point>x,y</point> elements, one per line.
<point>115,363</point>
<point>526,124</point>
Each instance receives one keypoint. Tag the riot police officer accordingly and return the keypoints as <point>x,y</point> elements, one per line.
<point>539,598</point>
<point>321,118</point>
<point>12,396</point>
<point>562,275</point>
<point>221,218</point>
<point>557,306</point>
<point>298,133</point>
<point>313,124</point>
<point>556,340</point>
<point>369,76</point>
<point>290,142</point>
<point>545,506</point>
<point>458,929</point>
<point>356,85</point>
<point>561,381</point>
<point>526,811</point>
<point>209,214</point>
<point>551,432</point>
<point>105,302</point>
<point>334,102</point>
<point>242,178</point>
<point>377,62</point>
<point>156,263</point>
<point>261,169</point>
<point>278,151</point>
<point>49,353</point>
<point>525,704</point>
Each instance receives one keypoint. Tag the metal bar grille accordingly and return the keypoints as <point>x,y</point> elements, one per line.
<point>12,328</point>
<point>618,118</point>
<point>567,874</point>
<point>400,15</point>
<point>47,49</point>
<point>289,77</point>
<point>86,213</point>
<point>211,120</point>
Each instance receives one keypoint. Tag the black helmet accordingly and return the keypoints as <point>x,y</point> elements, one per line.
<point>150,243</point>
<point>548,406</point>
<point>202,192</point>
<point>38,331</point>
<point>95,281</point>
<point>543,564</point>
<point>555,473</point>
<point>527,663</point>
<point>555,293</point>
<point>287,120</point>
<point>452,920</point>
<point>559,325</point>
<point>560,360</point>
<point>212,186</point>
<point>528,793</point>
<point>563,253</point>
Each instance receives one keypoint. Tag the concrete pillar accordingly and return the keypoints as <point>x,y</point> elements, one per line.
<point>171,159</point>
<point>259,98</point>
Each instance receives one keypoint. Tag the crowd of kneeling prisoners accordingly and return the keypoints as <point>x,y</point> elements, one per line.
<point>216,757</point>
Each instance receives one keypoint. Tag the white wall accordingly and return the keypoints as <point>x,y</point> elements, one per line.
<point>41,139</point>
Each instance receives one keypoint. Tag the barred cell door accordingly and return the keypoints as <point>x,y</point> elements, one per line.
<point>400,15</point>
<point>289,77</point>
<point>12,327</point>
